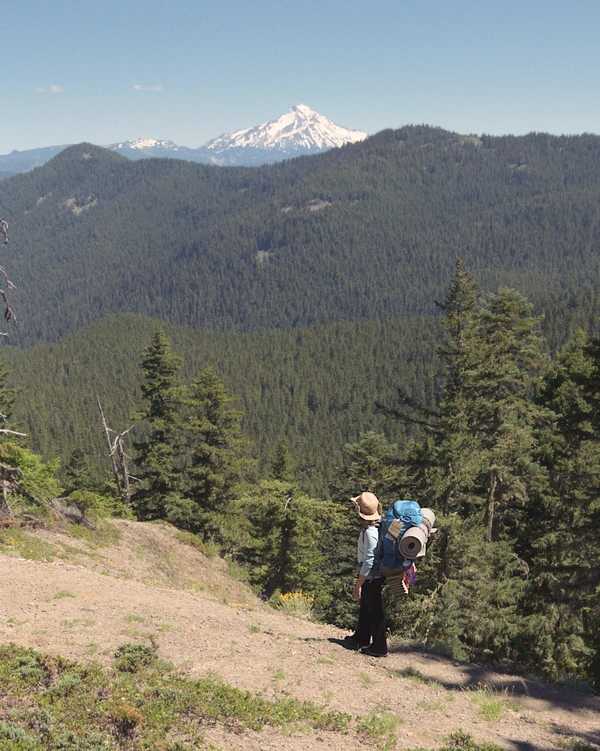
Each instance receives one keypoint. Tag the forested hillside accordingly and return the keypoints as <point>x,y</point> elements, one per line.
<point>366,232</point>
<point>315,388</point>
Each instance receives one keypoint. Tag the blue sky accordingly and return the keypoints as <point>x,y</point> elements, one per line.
<point>190,70</point>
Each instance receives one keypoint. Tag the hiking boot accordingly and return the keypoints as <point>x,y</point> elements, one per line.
<point>368,651</point>
<point>350,643</point>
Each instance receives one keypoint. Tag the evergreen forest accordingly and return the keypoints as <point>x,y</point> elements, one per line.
<point>415,315</point>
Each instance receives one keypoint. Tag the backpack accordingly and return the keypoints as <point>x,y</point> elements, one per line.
<point>403,532</point>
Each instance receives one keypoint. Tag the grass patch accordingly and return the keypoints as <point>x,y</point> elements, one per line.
<point>102,536</point>
<point>134,618</point>
<point>187,538</point>
<point>491,702</point>
<point>238,572</point>
<point>164,626</point>
<point>18,543</point>
<point>62,594</point>
<point>412,674</point>
<point>575,744</point>
<point>365,679</point>
<point>379,729</point>
<point>140,703</point>
<point>438,706</point>
<point>253,628</point>
<point>293,603</point>
<point>461,741</point>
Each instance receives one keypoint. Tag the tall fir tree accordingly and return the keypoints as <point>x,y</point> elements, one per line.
<point>506,417</point>
<point>564,621</point>
<point>7,400</point>
<point>283,467</point>
<point>159,453</point>
<point>80,475</point>
<point>478,465</point>
<point>217,450</point>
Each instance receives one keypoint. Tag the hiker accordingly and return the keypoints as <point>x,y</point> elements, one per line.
<point>370,635</point>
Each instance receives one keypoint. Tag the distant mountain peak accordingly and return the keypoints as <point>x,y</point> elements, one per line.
<point>143,144</point>
<point>300,130</point>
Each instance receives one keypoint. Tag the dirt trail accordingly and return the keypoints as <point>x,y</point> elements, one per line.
<point>149,583</point>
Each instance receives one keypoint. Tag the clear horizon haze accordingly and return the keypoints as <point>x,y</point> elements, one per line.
<point>189,71</point>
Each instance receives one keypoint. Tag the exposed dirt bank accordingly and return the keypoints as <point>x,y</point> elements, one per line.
<point>149,585</point>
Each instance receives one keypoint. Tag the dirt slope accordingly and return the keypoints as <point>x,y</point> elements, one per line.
<point>148,584</point>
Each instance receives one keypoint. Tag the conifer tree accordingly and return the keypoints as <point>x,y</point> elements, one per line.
<point>80,475</point>
<point>284,543</point>
<point>449,463</point>
<point>159,452</point>
<point>563,529</point>
<point>7,398</point>
<point>283,467</point>
<point>372,464</point>
<point>506,417</point>
<point>478,464</point>
<point>216,445</point>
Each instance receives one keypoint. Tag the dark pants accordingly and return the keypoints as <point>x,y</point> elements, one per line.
<point>371,629</point>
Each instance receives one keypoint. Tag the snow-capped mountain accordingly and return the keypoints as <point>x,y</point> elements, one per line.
<point>299,131</point>
<point>142,148</point>
<point>143,144</point>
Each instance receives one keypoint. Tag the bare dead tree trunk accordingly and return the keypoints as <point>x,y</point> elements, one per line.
<point>123,461</point>
<point>8,313</point>
<point>5,509</point>
<point>9,482</point>
<point>116,450</point>
<point>111,453</point>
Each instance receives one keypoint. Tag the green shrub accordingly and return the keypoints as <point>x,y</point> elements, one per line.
<point>65,685</point>
<point>15,733</point>
<point>28,667</point>
<point>134,657</point>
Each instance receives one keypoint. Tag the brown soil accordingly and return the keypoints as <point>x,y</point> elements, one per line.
<point>151,584</point>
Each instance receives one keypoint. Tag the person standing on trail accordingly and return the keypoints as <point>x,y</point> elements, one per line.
<point>370,635</point>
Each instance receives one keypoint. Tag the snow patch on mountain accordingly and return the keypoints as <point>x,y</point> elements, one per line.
<point>143,144</point>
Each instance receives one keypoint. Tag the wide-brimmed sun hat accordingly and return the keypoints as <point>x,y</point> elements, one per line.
<point>368,506</point>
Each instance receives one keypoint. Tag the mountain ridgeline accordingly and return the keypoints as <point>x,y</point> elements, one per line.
<point>369,231</point>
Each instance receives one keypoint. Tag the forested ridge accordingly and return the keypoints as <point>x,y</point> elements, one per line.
<point>366,232</point>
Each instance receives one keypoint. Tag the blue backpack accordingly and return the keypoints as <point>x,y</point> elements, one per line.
<point>397,519</point>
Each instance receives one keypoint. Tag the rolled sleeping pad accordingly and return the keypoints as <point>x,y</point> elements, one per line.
<point>428,519</point>
<point>414,540</point>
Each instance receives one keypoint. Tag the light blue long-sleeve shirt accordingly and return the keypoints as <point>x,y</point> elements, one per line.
<point>368,543</point>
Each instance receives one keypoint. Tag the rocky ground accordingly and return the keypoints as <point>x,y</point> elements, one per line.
<point>145,584</point>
